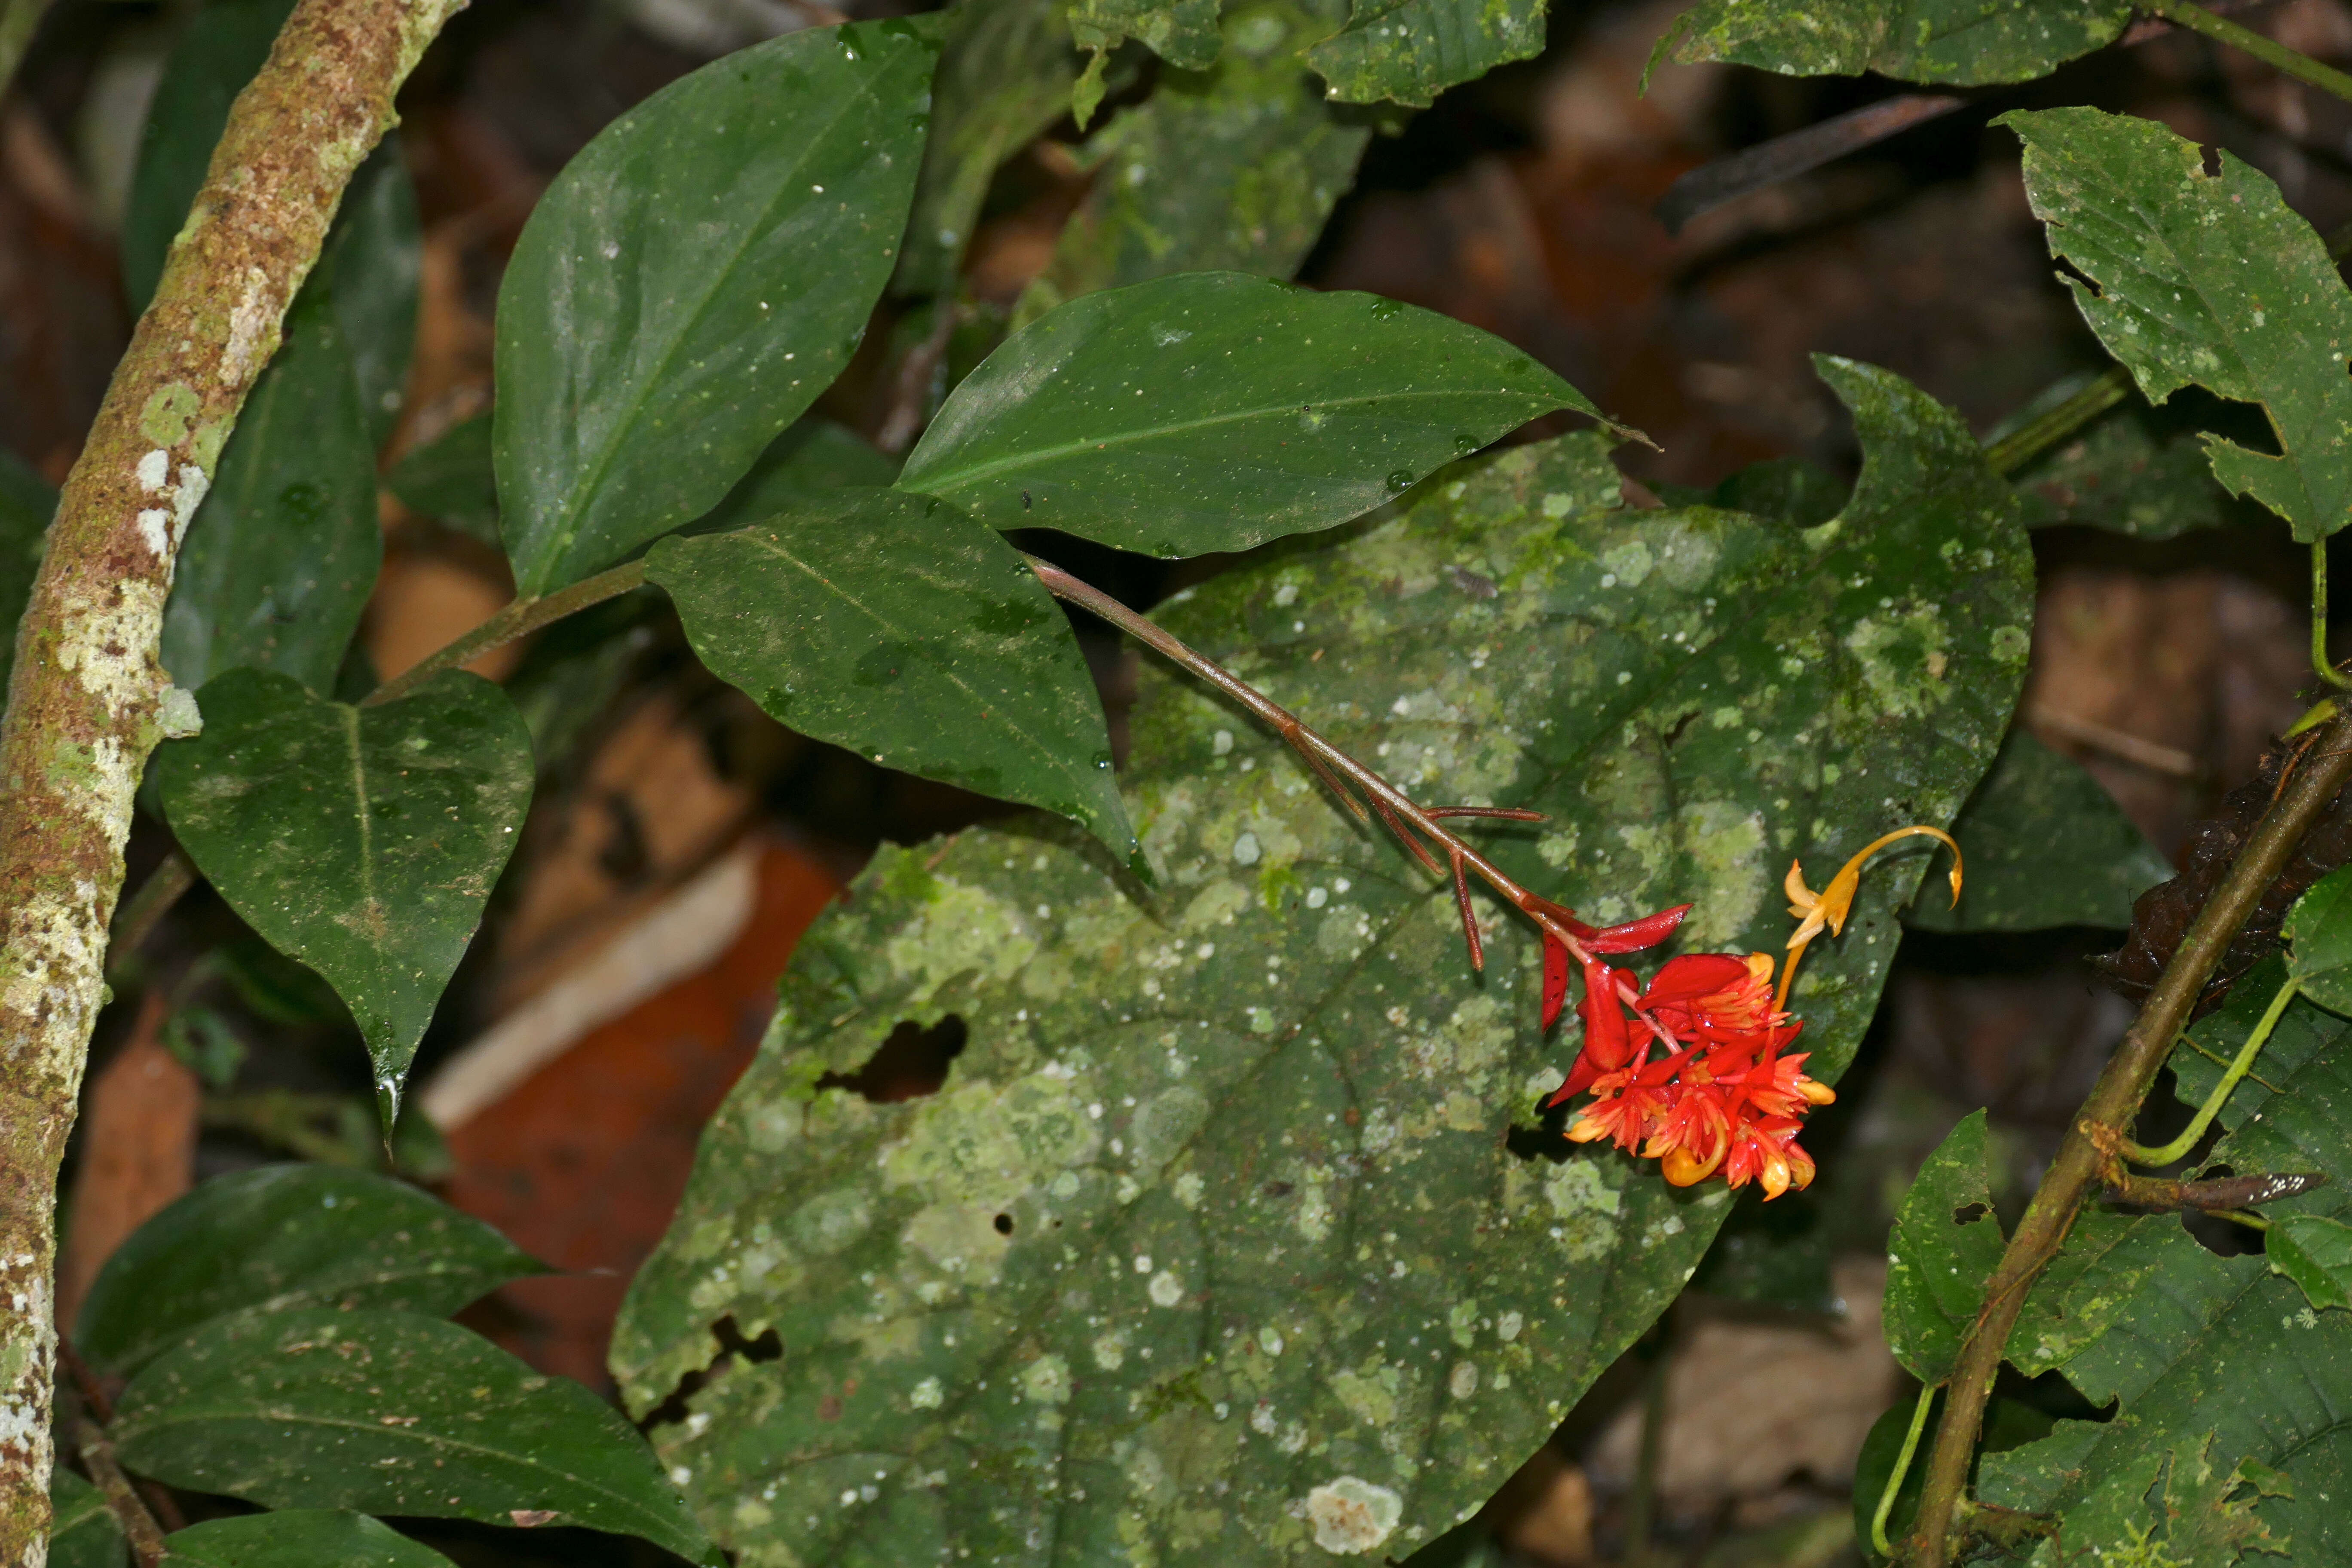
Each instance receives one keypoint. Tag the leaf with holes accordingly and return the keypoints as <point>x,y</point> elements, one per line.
<point>1218,1242</point>
<point>898,628</point>
<point>1411,50</point>
<point>1955,42</point>
<point>2316,1254</point>
<point>82,1530</point>
<point>1215,411</point>
<point>284,1236</point>
<point>362,841</point>
<point>2044,844</point>
<point>281,555</point>
<point>1234,168</point>
<point>2194,1344</point>
<point>1945,1246</point>
<point>692,280</point>
<point>2210,279</point>
<point>297,1538</point>
<point>391,1413</point>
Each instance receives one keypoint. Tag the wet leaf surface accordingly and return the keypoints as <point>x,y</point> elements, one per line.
<point>1955,42</point>
<point>1945,1244</point>
<point>297,1538</point>
<point>284,1236</point>
<point>1218,1243</point>
<point>1411,50</point>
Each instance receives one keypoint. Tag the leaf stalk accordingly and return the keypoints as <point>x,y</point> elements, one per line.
<point>1878,1542</point>
<point>2277,56</point>
<point>2166,1155</point>
<point>518,620</point>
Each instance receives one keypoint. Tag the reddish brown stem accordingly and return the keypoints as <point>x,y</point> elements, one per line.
<point>1469,917</point>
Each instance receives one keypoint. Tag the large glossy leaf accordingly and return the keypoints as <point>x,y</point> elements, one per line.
<point>299,1537</point>
<point>281,555</point>
<point>362,841</point>
<point>1005,74</point>
<point>1960,42</point>
<point>284,1236</point>
<point>392,1412</point>
<point>2043,845</point>
<point>373,264</point>
<point>1213,411</point>
<point>692,280</point>
<point>901,629</point>
<point>1945,1244</point>
<point>82,1531</point>
<point>1211,1247</point>
<point>2197,1345</point>
<point>1235,168</point>
<point>1411,50</point>
<point>2204,279</point>
<point>26,504</point>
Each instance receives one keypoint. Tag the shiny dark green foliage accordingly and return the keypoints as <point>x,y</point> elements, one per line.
<point>297,1538</point>
<point>799,467</point>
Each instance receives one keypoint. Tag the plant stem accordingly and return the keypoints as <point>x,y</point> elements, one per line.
<point>2046,429</point>
<point>2319,660</point>
<point>87,701</point>
<point>2301,67</point>
<point>2179,1148</point>
<point>518,619</point>
<point>1878,1542</point>
<point>136,920</point>
<point>1328,760</point>
<point>2314,781</point>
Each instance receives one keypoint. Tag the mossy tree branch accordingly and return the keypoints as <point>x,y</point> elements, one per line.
<point>88,701</point>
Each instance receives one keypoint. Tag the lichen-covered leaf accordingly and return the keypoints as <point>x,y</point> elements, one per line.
<point>385,1412</point>
<point>297,1538</point>
<point>362,841</point>
<point>1215,411</point>
<point>690,283</point>
<point>2319,934</point>
<point>26,503</point>
<point>2194,1344</point>
<point>1005,74</point>
<point>1945,1244</point>
<point>897,627</point>
<point>281,554</point>
<point>2316,1254</point>
<point>1217,1246</point>
<point>284,1236</point>
<point>1957,42</point>
<point>82,1530</point>
<point>1182,32</point>
<point>1233,169</point>
<point>2205,279</point>
<point>2043,845</point>
<point>1411,50</point>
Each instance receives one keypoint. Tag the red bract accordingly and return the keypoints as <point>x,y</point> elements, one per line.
<point>1612,940</point>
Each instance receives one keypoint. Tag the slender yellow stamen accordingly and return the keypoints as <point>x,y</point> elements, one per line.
<point>1828,909</point>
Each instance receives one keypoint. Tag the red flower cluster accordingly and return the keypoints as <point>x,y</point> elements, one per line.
<point>1721,1097</point>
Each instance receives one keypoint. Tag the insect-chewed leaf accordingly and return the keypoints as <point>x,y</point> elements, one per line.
<point>691,282</point>
<point>1411,50</point>
<point>362,841</point>
<point>2200,1347</point>
<point>299,1537</point>
<point>2205,279</point>
<point>895,626</point>
<point>283,1237</point>
<point>1210,1248</point>
<point>1959,42</point>
<point>391,1413</point>
<point>82,1531</point>
<point>1215,411</point>
<point>1945,1244</point>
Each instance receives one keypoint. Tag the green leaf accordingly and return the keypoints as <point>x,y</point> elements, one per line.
<point>83,1533</point>
<point>2174,1507</point>
<point>1182,32</point>
<point>800,467</point>
<point>2319,933</point>
<point>1945,1246</point>
<point>897,627</point>
<point>373,264</point>
<point>283,1238</point>
<point>2194,1344</point>
<point>1005,75</point>
<point>1411,50</point>
<point>450,480</point>
<point>387,1412</point>
<point>2043,845</point>
<point>26,504</point>
<point>2212,1043</point>
<point>362,841</point>
<point>1282,1087</point>
<point>2205,279</point>
<point>2137,472</point>
<point>1233,169</point>
<point>692,280</point>
<point>1215,411</point>
<point>1955,42</point>
<point>2316,1254</point>
<point>283,551</point>
<point>297,1538</point>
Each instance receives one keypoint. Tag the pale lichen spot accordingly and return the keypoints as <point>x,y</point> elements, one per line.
<point>154,469</point>
<point>1352,1516</point>
<point>1166,1289</point>
<point>1463,1382</point>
